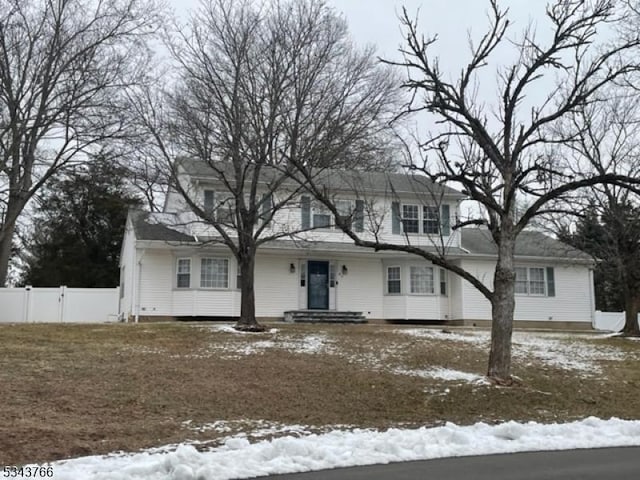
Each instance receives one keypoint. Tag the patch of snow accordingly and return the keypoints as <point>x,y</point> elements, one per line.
<point>476,338</point>
<point>446,374</point>
<point>238,458</point>
<point>554,349</point>
<point>228,328</point>
<point>559,350</point>
<point>307,344</point>
<point>249,428</point>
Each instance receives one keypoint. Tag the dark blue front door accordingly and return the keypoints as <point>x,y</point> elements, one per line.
<point>318,293</point>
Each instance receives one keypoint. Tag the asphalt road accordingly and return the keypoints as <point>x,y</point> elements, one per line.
<point>594,464</point>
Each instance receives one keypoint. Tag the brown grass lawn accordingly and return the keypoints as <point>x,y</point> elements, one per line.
<point>72,390</point>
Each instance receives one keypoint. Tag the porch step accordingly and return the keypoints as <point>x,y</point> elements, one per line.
<point>323,316</point>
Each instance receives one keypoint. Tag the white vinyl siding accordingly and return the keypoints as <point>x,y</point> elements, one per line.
<point>214,273</point>
<point>421,279</point>
<point>572,302</point>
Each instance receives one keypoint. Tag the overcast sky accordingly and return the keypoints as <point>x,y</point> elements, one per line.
<point>376,21</point>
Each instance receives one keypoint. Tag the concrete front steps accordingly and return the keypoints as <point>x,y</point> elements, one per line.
<point>323,316</point>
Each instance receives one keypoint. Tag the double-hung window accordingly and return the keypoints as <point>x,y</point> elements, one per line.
<point>214,273</point>
<point>423,219</point>
<point>522,280</point>
<point>321,216</point>
<point>430,220</point>
<point>345,211</point>
<point>225,213</point>
<point>443,282</point>
<point>534,281</point>
<point>394,285</point>
<point>183,273</point>
<point>421,279</point>
<point>410,219</point>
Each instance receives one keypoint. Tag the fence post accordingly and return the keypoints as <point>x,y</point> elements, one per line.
<point>27,304</point>
<point>61,302</point>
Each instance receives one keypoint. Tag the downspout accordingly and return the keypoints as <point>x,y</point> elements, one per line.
<point>592,300</point>
<point>136,291</point>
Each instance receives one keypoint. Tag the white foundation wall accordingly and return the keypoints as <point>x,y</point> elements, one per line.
<point>572,302</point>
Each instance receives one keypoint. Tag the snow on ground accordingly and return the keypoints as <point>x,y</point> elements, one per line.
<point>238,458</point>
<point>576,352</point>
<point>554,349</point>
<point>256,428</point>
<point>446,374</point>
<point>304,344</point>
<point>228,328</point>
<point>309,344</point>
<point>473,337</point>
<point>558,350</point>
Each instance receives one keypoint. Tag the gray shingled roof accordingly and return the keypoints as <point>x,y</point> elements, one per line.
<point>148,227</point>
<point>350,180</point>
<point>164,227</point>
<point>529,244</point>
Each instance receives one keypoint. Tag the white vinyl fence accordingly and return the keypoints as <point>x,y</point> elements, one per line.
<point>72,305</point>
<point>610,321</point>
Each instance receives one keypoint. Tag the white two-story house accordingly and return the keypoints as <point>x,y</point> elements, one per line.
<point>172,266</point>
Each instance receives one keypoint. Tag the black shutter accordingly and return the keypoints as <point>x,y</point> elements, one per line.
<point>551,283</point>
<point>209,202</point>
<point>266,205</point>
<point>395,217</point>
<point>359,216</point>
<point>445,220</point>
<point>305,207</point>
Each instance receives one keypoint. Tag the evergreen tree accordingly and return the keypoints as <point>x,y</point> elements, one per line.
<point>612,236</point>
<point>78,229</point>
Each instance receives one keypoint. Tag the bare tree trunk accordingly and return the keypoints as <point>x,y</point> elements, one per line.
<point>631,314</point>
<point>6,242</point>
<point>502,309</point>
<point>6,238</point>
<point>247,321</point>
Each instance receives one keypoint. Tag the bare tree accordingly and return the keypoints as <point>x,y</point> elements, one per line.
<point>259,88</point>
<point>63,65</point>
<point>607,135</point>
<point>496,152</point>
